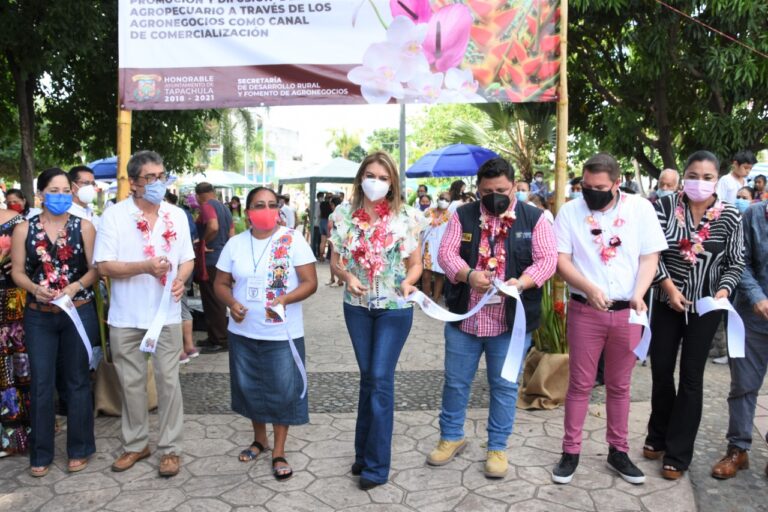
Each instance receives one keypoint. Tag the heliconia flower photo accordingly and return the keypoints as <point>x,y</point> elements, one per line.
<point>473,52</point>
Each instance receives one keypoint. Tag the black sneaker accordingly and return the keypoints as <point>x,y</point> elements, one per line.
<point>564,470</point>
<point>214,349</point>
<point>357,468</point>
<point>620,463</point>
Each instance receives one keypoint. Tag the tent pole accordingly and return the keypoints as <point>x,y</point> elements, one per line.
<point>561,156</point>
<point>123,152</point>
<point>402,148</point>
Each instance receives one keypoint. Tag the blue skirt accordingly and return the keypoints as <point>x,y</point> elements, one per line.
<point>265,382</point>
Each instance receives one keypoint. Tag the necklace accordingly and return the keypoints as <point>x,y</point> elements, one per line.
<point>169,235</point>
<point>253,258</point>
<point>607,252</point>
<point>691,247</point>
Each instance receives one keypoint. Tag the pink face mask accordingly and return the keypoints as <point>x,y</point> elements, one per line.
<point>699,190</point>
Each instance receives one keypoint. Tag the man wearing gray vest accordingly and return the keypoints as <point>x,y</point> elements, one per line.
<point>496,237</point>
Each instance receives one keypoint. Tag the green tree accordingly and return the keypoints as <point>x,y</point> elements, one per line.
<point>652,85</point>
<point>433,128</point>
<point>343,143</point>
<point>385,139</point>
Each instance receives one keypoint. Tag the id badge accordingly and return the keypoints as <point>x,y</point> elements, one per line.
<point>496,299</point>
<point>254,289</point>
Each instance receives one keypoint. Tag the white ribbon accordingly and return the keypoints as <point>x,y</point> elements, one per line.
<point>641,350</point>
<point>66,305</point>
<point>279,310</point>
<point>514,357</point>
<point>735,325</point>
<point>151,337</point>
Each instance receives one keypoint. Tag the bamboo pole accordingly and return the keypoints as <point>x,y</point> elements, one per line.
<point>561,153</point>
<point>123,152</point>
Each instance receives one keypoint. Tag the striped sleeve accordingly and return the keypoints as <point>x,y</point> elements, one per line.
<point>544,249</point>
<point>733,260</point>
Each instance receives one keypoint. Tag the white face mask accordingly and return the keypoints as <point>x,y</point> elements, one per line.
<point>442,204</point>
<point>539,179</point>
<point>375,189</point>
<point>86,194</point>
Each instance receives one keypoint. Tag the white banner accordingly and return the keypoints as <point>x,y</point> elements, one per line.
<point>735,324</point>
<point>152,336</point>
<point>66,305</point>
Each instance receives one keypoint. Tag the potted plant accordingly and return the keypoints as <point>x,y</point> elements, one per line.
<point>545,370</point>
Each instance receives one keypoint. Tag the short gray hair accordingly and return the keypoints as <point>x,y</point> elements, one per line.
<point>671,172</point>
<point>140,159</point>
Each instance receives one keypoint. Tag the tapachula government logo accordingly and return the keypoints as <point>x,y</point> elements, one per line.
<point>147,87</point>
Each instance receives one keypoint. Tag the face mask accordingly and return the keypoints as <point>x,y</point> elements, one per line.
<point>597,199</point>
<point>442,204</point>
<point>58,204</point>
<point>375,189</point>
<point>742,204</point>
<point>264,219</point>
<point>576,195</point>
<point>87,193</point>
<point>664,193</point>
<point>423,207</point>
<point>699,190</point>
<point>495,203</point>
<point>17,207</point>
<point>538,179</point>
<point>521,196</point>
<point>154,192</point>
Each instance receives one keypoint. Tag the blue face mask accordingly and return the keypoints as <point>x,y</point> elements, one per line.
<point>664,193</point>
<point>57,204</point>
<point>521,195</point>
<point>154,192</point>
<point>576,195</point>
<point>742,204</point>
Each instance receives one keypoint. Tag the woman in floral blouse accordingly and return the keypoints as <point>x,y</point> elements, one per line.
<point>376,253</point>
<point>50,257</point>
<point>704,259</point>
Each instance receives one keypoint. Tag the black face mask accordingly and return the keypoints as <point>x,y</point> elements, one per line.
<point>495,203</point>
<point>597,199</point>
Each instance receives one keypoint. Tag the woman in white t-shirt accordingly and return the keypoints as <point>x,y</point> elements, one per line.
<point>260,270</point>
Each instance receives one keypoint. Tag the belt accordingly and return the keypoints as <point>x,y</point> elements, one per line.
<point>51,308</point>
<point>616,305</point>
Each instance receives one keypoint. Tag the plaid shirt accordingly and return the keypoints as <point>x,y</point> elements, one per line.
<point>491,320</point>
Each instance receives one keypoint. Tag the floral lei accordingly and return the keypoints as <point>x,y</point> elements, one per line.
<point>690,247</point>
<point>497,233</point>
<point>607,252</point>
<point>436,220</point>
<point>54,278</point>
<point>169,235</point>
<point>368,253</point>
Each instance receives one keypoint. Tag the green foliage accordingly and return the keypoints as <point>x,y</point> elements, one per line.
<point>385,139</point>
<point>652,85</point>
<point>434,128</point>
<point>344,143</point>
<point>550,337</point>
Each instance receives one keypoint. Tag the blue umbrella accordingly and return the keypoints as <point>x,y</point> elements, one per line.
<point>453,160</point>
<point>104,169</point>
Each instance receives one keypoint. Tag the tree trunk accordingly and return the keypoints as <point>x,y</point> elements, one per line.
<point>25,88</point>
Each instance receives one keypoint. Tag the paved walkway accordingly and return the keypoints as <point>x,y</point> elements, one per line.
<point>212,479</point>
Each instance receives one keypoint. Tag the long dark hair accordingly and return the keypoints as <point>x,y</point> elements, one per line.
<point>18,193</point>
<point>239,206</point>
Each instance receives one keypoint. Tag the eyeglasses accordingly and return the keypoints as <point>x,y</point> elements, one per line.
<point>85,183</point>
<point>261,206</point>
<point>151,178</point>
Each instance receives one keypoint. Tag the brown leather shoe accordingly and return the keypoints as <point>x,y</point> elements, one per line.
<point>128,459</point>
<point>170,463</point>
<point>728,466</point>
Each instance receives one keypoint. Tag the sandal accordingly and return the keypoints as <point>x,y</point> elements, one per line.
<point>670,472</point>
<point>38,471</point>
<point>75,465</point>
<point>651,453</point>
<point>249,455</point>
<point>278,471</point>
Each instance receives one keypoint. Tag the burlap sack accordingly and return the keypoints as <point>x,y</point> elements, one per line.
<point>545,381</point>
<point>107,389</point>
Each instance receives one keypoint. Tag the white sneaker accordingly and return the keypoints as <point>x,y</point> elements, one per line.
<point>720,360</point>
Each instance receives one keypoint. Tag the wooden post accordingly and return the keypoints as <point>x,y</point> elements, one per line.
<point>561,154</point>
<point>123,152</point>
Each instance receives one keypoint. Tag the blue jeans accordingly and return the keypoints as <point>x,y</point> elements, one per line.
<point>378,336</point>
<point>462,355</point>
<point>51,338</point>
<point>747,375</point>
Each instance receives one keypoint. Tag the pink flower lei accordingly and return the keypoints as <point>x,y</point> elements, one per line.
<point>691,247</point>
<point>607,252</point>
<point>368,253</point>
<point>169,235</point>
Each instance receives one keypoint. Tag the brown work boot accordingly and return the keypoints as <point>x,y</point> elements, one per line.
<point>728,466</point>
<point>170,463</point>
<point>128,459</point>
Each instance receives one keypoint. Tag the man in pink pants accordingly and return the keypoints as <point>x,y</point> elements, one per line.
<point>608,244</point>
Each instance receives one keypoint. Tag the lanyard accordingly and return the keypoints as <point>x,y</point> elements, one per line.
<point>256,262</point>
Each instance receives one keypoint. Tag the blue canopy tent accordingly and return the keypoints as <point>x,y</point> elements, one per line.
<point>448,161</point>
<point>104,169</point>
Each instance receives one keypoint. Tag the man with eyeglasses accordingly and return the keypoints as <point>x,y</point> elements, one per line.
<point>83,194</point>
<point>141,244</point>
<point>215,227</point>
